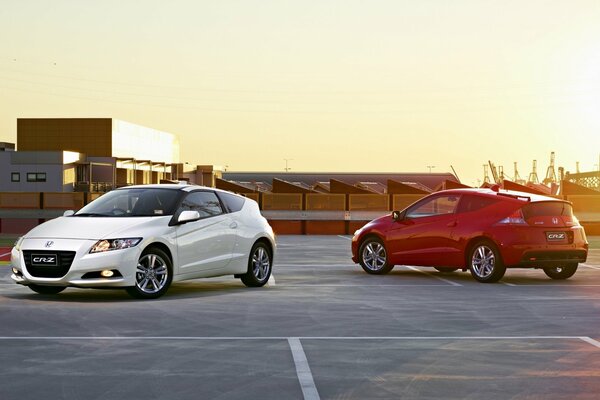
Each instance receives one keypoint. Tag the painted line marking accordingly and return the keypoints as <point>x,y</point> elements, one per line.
<point>549,285</point>
<point>589,266</point>
<point>307,383</point>
<point>591,341</point>
<point>585,339</point>
<point>507,284</point>
<point>271,281</point>
<point>349,285</point>
<point>432,275</point>
<point>3,255</point>
<point>319,266</point>
<point>345,237</point>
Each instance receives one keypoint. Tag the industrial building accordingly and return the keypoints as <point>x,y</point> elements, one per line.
<point>91,155</point>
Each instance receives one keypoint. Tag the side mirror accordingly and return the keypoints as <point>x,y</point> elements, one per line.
<point>188,216</point>
<point>68,213</point>
<point>398,215</point>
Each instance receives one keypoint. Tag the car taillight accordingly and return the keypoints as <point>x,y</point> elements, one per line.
<point>515,218</point>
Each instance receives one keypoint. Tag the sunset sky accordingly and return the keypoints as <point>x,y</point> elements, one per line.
<point>345,85</point>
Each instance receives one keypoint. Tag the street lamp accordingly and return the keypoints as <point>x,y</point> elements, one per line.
<point>430,167</point>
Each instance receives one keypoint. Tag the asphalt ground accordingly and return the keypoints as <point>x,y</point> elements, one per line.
<point>321,329</point>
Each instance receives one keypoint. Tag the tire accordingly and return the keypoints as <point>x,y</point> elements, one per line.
<point>485,263</point>
<point>47,289</point>
<point>373,257</point>
<point>260,265</point>
<point>153,275</point>
<point>562,272</point>
<point>446,270</point>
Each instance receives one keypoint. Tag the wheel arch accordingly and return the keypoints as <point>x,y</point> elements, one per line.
<point>474,240</point>
<point>268,243</point>
<point>371,235</point>
<point>161,246</point>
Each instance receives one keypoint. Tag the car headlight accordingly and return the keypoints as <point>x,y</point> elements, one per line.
<point>114,244</point>
<point>17,244</point>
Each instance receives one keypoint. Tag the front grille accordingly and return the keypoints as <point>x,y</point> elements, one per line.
<point>565,255</point>
<point>64,261</point>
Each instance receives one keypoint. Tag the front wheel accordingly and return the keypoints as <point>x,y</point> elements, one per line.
<point>47,289</point>
<point>562,272</point>
<point>485,263</point>
<point>153,274</point>
<point>373,257</point>
<point>259,266</point>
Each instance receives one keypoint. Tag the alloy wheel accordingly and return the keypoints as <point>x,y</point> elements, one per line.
<point>151,274</point>
<point>261,263</point>
<point>483,261</point>
<point>374,256</point>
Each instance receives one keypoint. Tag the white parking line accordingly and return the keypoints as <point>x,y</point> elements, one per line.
<point>586,339</point>
<point>591,341</point>
<point>357,285</point>
<point>345,237</point>
<point>315,265</point>
<point>307,383</point>
<point>2,255</point>
<point>589,266</point>
<point>435,276</point>
<point>271,281</point>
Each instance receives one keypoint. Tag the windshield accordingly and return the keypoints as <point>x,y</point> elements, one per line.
<point>132,203</point>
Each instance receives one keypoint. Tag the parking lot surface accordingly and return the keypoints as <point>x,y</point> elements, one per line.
<point>321,329</point>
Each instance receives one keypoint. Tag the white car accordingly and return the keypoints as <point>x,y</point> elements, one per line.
<point>142,238</point>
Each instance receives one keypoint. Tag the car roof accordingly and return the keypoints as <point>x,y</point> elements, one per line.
<point>175,186</point>
<point>520,196</point>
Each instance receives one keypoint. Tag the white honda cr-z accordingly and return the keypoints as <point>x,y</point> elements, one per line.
<point>142,238</point>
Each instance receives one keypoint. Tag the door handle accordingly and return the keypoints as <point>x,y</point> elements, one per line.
<point>233,225</point>
<point>452,224</point>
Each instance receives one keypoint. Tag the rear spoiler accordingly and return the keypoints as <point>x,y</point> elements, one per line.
<point>515,196</point>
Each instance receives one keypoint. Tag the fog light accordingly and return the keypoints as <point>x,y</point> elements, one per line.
<point>107,273</point>
<point>16,271</point>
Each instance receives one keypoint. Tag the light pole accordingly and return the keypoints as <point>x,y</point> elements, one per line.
<point>430,167</point>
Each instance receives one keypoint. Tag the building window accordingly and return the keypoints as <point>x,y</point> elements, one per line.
<point>36,177</point>
<point>15,177</point>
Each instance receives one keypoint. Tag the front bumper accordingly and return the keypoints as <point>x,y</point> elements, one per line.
<point>124,261</point>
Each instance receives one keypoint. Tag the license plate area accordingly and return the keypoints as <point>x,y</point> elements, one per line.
<point>44,260</point>
<point>557,237</point>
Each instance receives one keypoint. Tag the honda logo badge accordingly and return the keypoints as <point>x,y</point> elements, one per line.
<point>555,221</point>
<point>49,243</point>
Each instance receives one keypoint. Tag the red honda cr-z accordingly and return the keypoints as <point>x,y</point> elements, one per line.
<point>482,230</point>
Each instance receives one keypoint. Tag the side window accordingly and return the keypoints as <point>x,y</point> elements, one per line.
<point>206,203</point>
<point>439,205</point>
<point>471,203</point>
<point>232,202</point>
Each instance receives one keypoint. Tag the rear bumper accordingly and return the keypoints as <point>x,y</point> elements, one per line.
<point>553,258</point>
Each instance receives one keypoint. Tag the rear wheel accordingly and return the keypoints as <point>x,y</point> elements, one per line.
<point>47,289</point>
<point>259,266</point>
<point>485,263</point>
<point>562,272</point>
<point>153,274</point>
<point>373,257</point>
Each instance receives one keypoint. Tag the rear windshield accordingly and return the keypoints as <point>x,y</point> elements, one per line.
<point>547,209</point>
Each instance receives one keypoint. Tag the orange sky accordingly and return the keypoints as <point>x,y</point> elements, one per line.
<point>332,85</point>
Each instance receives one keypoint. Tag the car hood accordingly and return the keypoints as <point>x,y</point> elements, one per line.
<point>93,228</point>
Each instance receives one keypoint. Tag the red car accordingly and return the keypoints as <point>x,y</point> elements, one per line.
<point>482,230</point>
